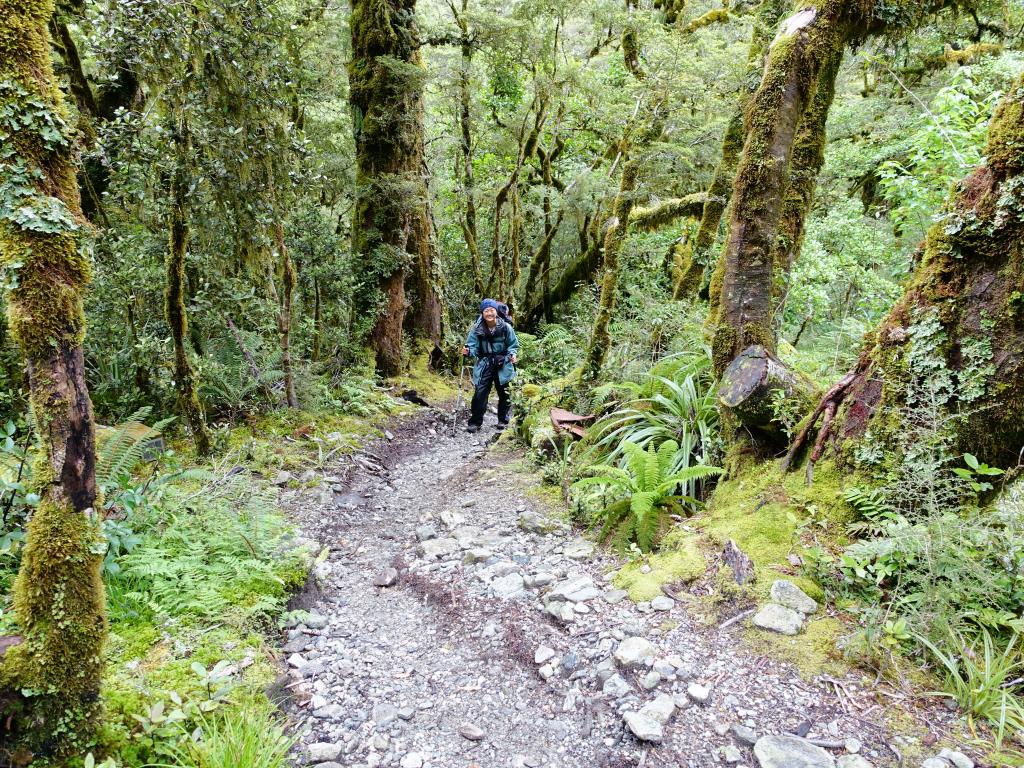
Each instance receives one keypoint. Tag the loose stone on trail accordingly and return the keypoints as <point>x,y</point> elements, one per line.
<point>486,638</point>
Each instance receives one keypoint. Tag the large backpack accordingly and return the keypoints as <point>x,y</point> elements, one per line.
<point>503,312</point>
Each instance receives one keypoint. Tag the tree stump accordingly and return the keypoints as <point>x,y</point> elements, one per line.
<point>750,385</point>
<point>742,566</point>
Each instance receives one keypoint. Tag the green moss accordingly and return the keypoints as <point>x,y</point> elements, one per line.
<point>59,603</point>
<point>680,559</point>
<point>1005,148</point>
<point>762,508</point>
<point>813,652</point>
<point>431,386</point>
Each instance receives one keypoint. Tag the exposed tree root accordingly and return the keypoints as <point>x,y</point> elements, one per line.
<point>828,405</point>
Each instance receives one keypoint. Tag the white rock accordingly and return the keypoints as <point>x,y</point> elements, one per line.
<point>778,618</point>
<point>616,687</point>
<point>936,762</point>
<point>790,752</point>
<point>959,759</point>
<point>663,603</point>
<point>635,651</point>
<point>643,727</point>
<point>507,586</point>
<point>698,693</point>
<point>660,710</point>
<point>613,596</point>
<point>650,681</point>
<point>574,589</point>
<point>542,654</point>
<point>731,754</point>
<point>852,761</point>
<point>580,549</point>
<point>471,732</point>
<point>412,760</point>
<point>853,746</point>
<point>323,751</point>
<point>434,549</point>
<point>788,594</point>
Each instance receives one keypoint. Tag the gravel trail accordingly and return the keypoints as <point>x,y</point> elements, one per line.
<point>496,640</point>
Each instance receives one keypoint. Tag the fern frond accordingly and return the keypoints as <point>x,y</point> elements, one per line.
<point>120,449</point>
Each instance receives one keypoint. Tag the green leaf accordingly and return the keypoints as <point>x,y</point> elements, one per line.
<point>971,461</point>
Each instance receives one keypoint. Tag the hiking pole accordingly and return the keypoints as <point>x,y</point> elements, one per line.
<point>458,399</point>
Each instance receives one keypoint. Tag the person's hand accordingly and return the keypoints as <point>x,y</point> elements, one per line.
<point>514,359</point>
<point>465,351</point>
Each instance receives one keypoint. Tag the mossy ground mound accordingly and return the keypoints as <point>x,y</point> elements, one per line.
<point>680,560</point>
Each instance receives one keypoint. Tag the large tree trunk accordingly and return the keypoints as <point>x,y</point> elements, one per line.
<point>174,291</point>
<point>469,230</point>
<point>391,224</point>
<point>695,259</point>
<point>800,63</point>
<point>58,594</point>
<point>963,308</point>
<point>809,39</point>
<point>284,315</point>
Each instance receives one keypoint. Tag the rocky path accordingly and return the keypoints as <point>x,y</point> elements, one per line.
<point>455,623</point>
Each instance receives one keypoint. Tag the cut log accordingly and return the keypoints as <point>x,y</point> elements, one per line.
<point>752,383</point>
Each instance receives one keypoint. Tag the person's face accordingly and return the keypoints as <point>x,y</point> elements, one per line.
<point>490,315</point>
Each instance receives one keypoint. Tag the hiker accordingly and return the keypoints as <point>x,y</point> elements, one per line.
<point>492,341</point>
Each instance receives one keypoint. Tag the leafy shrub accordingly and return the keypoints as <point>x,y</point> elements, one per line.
<point>675,402</point>
<point>647,490</point>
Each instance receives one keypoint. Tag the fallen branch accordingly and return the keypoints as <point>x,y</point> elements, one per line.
<point>735,619</point>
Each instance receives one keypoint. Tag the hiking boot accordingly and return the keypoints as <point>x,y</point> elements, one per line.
<point>473,428</point>
<point>500,426</point>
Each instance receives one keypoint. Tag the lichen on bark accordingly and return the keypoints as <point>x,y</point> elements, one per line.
<point>49,683</point>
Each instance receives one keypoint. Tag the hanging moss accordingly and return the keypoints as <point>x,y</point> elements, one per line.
<point>666,212</point>
<point>714,16</point>
<point>631,51</point>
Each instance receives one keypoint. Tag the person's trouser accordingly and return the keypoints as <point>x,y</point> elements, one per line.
<point>483,390</point>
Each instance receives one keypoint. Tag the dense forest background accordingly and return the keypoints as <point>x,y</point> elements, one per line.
<point>719,227</point>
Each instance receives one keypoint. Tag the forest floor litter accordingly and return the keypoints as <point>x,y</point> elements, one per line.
<point>456,620</point>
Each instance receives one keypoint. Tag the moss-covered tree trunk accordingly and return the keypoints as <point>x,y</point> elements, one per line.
<point>694,258</point>
<point>808,40</point>
<point>961,317</point>
<point>175,289</point>
<point>284,315</point>
<point>391,224</point>
<point>578,270</point>
<point>805,165</point>
<point>600,337</point>
<point>49,683</point>
<point>468,222</point>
